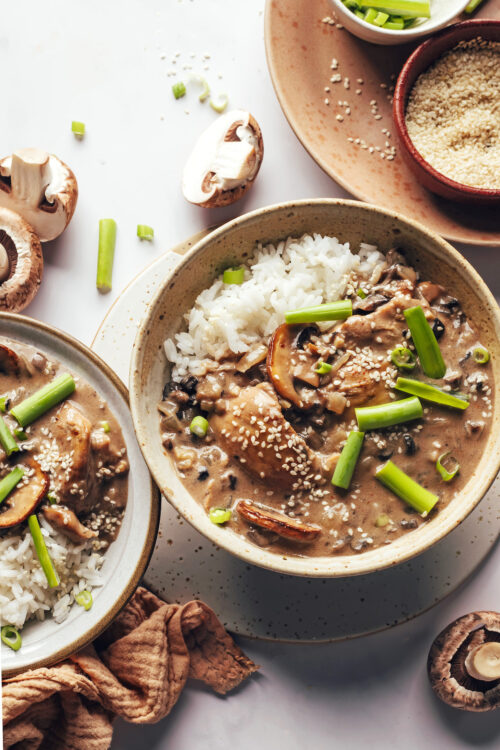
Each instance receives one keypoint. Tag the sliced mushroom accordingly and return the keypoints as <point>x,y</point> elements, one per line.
<point>369,304</point>
<point>252,358</point>
<point>39,187</point>
<point>21,261</point>
<point>279,523</point>
<point>23,501</point>
<point>67,523</point>
<point>429,291</point>
<point>279,361</point>
<point>224,162</point>
<point>464,662</point>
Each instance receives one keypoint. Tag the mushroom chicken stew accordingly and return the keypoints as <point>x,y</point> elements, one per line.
<point>262,440</point>
<point>66,447</point>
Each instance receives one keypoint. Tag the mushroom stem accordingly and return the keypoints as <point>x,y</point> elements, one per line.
<point>30,175</point>
<point>483,662</point>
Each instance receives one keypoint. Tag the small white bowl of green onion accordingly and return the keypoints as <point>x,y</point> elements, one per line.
<point>396,21</point>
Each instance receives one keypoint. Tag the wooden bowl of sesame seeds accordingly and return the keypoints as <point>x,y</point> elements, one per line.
<point>445,108</point>
<point>348,221</point>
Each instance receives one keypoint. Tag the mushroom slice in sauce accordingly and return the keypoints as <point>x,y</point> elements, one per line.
<point>269,449</point>
<point>279,523</point>
<point>458,657</point>
<point>67,523</point>
<point>278,363</point>
<point>23,501</point>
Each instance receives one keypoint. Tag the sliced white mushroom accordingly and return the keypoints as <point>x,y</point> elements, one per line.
<point>225,160</point>
<point>40,188</point>
<point>483,662</point>
<point>21,262</point>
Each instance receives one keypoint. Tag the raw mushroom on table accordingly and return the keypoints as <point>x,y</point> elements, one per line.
<point>21,262</point>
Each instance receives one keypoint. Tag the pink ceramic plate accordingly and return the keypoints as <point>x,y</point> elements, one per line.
<point>305,49</point>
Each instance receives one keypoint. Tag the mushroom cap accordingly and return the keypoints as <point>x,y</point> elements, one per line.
<point>224,161</point>
<point>39,187</point>
<point>446,662</point>
<point>26,262</point>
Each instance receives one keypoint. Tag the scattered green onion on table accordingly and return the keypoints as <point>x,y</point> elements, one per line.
<point>199,426</point>
<point>339,310</point>
<point>406,488</point>
<point>385,415</point>
<point>179,89</point>
<point>41,401</point>
<point>446,475</point>
<point>234,275</point>
<point>7,439</point>
<point>425,343</point>
<point>219,515</point>
<point>347,460</point>
<point>11,637</point>
<point>78,128</point>
<point>144,232</point>
<point>8,483</point>
<point>43,553</point>
<point>106,254</point>
<point>430,393</point>
<point>220,103</point>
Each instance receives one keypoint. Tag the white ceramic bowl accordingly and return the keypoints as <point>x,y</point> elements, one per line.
<point>352,222</point>
<point>442,13</point>
<point>46,642</point>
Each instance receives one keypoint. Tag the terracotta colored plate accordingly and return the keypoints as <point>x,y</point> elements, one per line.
<point>300,46</point>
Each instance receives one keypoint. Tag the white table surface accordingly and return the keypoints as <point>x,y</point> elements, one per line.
<point>108,63</point>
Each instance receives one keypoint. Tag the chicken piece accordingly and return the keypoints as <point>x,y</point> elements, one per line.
<point>429,291</point>
<point>386,322</point>
<point>67,523</point>
<point>110,459</point>
<point>72,431</point>
<point>279,523</point>
<point>254,431</point>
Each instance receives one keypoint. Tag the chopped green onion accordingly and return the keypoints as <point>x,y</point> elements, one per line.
<point>322,368</point>
<point>7,438</point>
<point>20,434</point>
<point>472,6</point>
<point>403,358</point>
<point>8,483</point>
<point>40,402</point>
<point>382,520</point>
<point>430,393</point>
<point>394,25</point>
<point>425,342</point>
<point>351,4</point>
<point>361,293</point>
<point>3,403</point>
<point>199,426</point>
<point>52,499</point>
<point>205,88</point>
<point>381,18</point>
<point>406,488</point>
<point>347,460</point>
<point>84,599</point>
<point>481,355</point>
<point>42,552</point>
<point>11,637</point>
<point>370,14</point>
<point>219,104</point>
<point>233,275</point>
<point>106,254</point>
<point>339,310</point>
<point>145,233</point>
<point>105,426</point>
<point>219,515</point>
<point>386,415</point>
<point>446,475</point>
<point>409,8</point>
<point>179,90</point>
<point>78,128</point>
<point>359,14</point>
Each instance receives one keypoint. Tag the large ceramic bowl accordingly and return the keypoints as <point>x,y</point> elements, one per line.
<point>232,243</point>
<point>47,642</point>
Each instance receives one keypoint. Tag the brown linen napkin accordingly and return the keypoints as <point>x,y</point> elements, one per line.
<point>136,670</point>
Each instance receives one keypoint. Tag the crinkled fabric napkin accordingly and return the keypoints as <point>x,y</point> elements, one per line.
<point>136,670</point>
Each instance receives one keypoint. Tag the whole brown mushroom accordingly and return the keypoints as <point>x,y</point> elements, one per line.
<point>464,662</point>
<point>21,262</point>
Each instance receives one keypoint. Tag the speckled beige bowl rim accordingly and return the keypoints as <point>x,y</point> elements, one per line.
<point>317,567</point>
<point>98,627</point>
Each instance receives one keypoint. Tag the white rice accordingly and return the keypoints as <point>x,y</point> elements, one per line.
<point>24,591</point>
<point>230,318</point>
